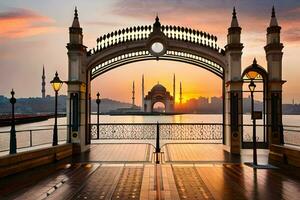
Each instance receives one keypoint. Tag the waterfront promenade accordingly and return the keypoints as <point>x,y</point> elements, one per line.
<point>127,171</point>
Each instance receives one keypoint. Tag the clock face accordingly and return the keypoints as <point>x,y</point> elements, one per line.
<point>157,47</point>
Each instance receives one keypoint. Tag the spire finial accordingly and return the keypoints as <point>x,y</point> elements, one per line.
<point>273,21</point>
<point>234,13</point>
<point>234,21</point>
<point>76,13</point>
<point>156,25</point>
<point>273,11</point>
<point>254,61</point>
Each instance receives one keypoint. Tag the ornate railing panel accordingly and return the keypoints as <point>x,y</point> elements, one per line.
<point>139,33</point>
<point>167,131</point>
<point>124,131</point>
<point>191,131</point>
<point>190,35</point>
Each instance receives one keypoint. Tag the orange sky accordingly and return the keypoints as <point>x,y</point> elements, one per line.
<point>33,34</point>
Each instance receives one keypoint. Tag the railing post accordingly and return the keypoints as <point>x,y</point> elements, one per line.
<point>30,137</point>
<point>13,139</point>
<point>98,101</point>
<point>157,148</point>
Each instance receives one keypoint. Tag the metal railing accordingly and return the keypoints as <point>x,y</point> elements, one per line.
<point>33,137</point>
<point>139,33</point>
<point>291,135</point>
<point>248,133</point>
<point>148,131</point>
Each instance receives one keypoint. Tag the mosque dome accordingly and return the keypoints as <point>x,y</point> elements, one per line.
<point>158,88</point>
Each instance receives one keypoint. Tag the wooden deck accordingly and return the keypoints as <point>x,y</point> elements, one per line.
<point>109,176</point>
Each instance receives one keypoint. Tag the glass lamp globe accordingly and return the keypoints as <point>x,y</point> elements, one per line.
<point>56,83</point>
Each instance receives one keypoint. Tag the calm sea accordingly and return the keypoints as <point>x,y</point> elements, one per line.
<point>45,136</point>
<point>291,120</point>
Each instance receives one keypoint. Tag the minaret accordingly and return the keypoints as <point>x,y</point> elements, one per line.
<point>143,93</point>
<point>43,84</point>
<point>133,95</point>
<point>174,88</point>
<point>180,94</point>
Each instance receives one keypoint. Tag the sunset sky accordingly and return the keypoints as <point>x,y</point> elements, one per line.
<point>35,32</point>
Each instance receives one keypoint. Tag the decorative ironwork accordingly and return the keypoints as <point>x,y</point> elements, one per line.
<point>124,131</point>
<point>145,55</point>
<point>140,33</point>
<point>191,35</point>
<point>168,131</point>
<point>191,131</point>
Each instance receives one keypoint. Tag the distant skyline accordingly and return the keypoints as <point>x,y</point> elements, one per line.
<point>34,34</point>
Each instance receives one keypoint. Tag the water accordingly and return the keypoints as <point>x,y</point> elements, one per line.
<point>291,120</point>
<point>23,137</point>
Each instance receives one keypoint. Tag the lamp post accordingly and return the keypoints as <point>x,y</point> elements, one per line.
<point>98,101</point>
<point>56,84</point>
<point>13,140</point>
<point>252,88</point>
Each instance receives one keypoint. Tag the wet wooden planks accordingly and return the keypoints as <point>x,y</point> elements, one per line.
<point>234,182</point>
<point>120,153</point>
<point>195,152</point>
<point>189,184</point>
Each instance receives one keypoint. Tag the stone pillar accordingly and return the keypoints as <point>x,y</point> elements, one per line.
<point>78,92</point>
<point>233,89</point>
<point>274,54</point>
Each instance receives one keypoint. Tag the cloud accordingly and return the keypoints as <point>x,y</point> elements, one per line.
<point>20,23</point>
<point>102,23</point>
<point>214,16</point>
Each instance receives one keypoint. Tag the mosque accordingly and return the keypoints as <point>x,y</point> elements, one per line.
<point>158,93</point>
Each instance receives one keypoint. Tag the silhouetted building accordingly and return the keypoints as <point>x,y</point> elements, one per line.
<point>43,84</point>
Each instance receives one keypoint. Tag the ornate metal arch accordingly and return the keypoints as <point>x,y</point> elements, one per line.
<point>133,44</point>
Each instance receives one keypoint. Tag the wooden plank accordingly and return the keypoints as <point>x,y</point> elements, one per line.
<point>169,187</point>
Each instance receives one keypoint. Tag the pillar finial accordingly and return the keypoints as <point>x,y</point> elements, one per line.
<point>273,12</point>
<point>273,21</point>
<point>234,13</point>
<point>76,13</point>
<point>75,23</point>
<point>234,21</point>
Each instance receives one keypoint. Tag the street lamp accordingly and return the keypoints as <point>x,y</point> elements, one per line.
<point>252,88</point>
<point>98,101</point>
<point>13,140</point>
<point>56,84</point>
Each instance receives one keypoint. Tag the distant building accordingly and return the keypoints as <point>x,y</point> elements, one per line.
<point>43,84</point>
<point>216,101</point>
<point>159,94</point>
<point>202,101</point>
